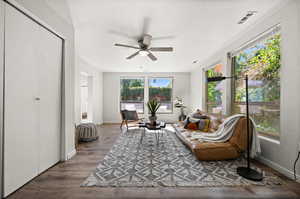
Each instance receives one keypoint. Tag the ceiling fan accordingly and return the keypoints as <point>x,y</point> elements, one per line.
<point>144,48</point>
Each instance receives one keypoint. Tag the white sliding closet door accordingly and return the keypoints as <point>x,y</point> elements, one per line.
<point>50,53</point>
<point>32,99</point>
<point>21,108</point>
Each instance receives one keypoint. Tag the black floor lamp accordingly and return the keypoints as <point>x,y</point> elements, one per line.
<point>245,172</point>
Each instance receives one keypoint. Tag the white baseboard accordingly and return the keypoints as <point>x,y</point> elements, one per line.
<point>112,122</point>
<point>71,154</point>
<point>288,173</point>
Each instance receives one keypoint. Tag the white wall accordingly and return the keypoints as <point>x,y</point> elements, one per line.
<point>197,89</point>
<point>2,22</point>
<point>97,90</point>
<point>111,93</point>
<point>49,16</point>
<point>61,8</point>
<point>278,154</point>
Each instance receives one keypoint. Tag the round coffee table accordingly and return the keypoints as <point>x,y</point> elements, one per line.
<point>158,130</point>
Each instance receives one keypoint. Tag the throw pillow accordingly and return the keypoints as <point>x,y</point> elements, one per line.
<point>192,126</point>
<point>199,116</point>
<point>203,125</point>
<point>194,120</point>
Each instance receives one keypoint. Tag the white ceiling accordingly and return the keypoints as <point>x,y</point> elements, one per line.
<point>62,9</point>
<point>195,28</point>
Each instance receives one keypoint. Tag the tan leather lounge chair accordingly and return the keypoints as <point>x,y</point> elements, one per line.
<point>231,149</point>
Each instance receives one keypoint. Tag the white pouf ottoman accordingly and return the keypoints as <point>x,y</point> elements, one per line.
<point>87,132</point>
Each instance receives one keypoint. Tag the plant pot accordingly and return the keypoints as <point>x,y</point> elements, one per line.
<point>152,119</point>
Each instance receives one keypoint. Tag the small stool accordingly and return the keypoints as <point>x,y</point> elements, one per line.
<point>87,132</point>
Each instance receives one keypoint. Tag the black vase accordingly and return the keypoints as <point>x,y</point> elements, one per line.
<point>153,119</point>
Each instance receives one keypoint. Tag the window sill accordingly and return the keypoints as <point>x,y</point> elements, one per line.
<point>164,113</point>
<point>269,139</point>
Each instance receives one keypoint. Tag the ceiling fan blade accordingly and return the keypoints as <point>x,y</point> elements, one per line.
<point>127,46</point>
<point>133,55</point>
<point>163,37</point>
<point>122,34</point>
<point>162,49</point>
<point>146,23</point>
<point>151,56</point>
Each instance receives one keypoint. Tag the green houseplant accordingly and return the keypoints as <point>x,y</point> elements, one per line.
<point>153,106</point>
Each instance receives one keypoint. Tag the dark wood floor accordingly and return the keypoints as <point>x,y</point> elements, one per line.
<point>63,180</point>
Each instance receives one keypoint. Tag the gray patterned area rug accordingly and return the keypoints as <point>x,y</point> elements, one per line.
<point>131,163</point>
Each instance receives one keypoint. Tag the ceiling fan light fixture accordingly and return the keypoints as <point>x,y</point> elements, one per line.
<point>143,53</point>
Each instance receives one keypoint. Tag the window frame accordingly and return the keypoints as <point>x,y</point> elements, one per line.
<point>172,92</point>
<point>120,89</point>
<point>261,37</point>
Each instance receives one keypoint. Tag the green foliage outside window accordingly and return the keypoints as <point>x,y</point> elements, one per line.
<point>160,89</point>
<point>214,95</point>
<point>132,89</point>
<point>132,93</point>
<point>161,94</point>
<point>262,64</point>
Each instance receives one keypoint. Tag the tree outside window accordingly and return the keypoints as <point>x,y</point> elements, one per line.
<point>161,90</point>
<point>132,94</point>
<point>214,90</point>
<point>262,64</point>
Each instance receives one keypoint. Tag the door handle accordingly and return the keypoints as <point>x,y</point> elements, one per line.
<point>37,99</point>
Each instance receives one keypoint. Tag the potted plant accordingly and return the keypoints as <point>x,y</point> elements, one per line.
<point>153,106</point>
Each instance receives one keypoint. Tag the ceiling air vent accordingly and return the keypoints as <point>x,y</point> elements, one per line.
<point>247,16</point>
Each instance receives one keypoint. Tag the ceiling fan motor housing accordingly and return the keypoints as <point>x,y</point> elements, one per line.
<point>145,41</point>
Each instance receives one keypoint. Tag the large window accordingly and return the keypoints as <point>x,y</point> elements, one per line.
<point>214,90</point>
<point>132,94</point>
<point>161,90</point>
<point>261,62</point>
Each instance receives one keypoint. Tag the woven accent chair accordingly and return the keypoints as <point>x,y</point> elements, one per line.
<point>130,117</point>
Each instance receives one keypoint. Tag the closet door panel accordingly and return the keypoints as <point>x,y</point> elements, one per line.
<point>20,112</point>
<point>50,58</point>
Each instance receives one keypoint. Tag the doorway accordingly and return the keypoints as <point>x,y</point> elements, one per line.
<point>86,97</point>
